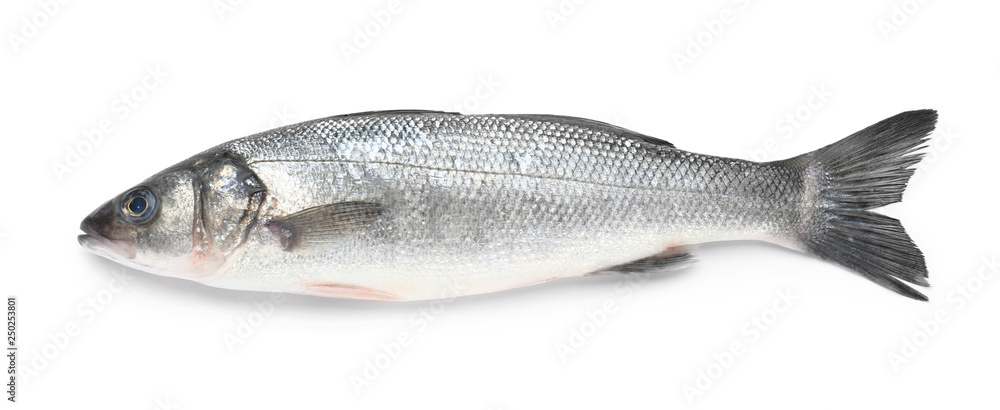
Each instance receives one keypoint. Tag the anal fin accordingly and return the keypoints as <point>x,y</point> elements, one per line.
<point>333,290</point>
<point>673,259</point>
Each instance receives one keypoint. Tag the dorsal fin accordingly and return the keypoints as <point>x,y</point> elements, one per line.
<point>593,124</point>
<point>561,119</point>
<point>400,112</point>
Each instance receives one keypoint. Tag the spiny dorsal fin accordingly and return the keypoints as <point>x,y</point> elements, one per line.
<point>320,224</point>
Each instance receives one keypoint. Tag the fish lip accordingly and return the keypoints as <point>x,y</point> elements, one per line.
<point>90,236</point>
<point>102,245</point>
<point>88,230</point>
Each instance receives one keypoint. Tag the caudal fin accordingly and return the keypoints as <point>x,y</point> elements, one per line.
<point>866,170</point>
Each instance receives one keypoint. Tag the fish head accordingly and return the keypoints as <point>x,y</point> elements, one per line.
<point>186,221</point>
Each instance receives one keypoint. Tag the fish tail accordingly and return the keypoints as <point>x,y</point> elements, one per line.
<point>866,170</point>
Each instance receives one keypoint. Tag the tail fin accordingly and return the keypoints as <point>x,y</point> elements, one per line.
<point>866,170</point>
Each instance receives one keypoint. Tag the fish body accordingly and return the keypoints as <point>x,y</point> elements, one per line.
<point>411,205</point>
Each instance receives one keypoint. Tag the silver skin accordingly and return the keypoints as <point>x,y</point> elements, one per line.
<point>469,204</point>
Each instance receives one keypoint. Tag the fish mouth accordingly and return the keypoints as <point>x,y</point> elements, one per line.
<point>101,245</point>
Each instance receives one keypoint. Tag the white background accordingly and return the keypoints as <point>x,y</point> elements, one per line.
<point>141,341</point>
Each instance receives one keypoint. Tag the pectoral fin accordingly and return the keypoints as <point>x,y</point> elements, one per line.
<point>323,223</point>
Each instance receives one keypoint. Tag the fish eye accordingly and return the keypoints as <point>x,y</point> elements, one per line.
<point>138,204</point>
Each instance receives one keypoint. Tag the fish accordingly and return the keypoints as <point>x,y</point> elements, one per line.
<point>417,205</point>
